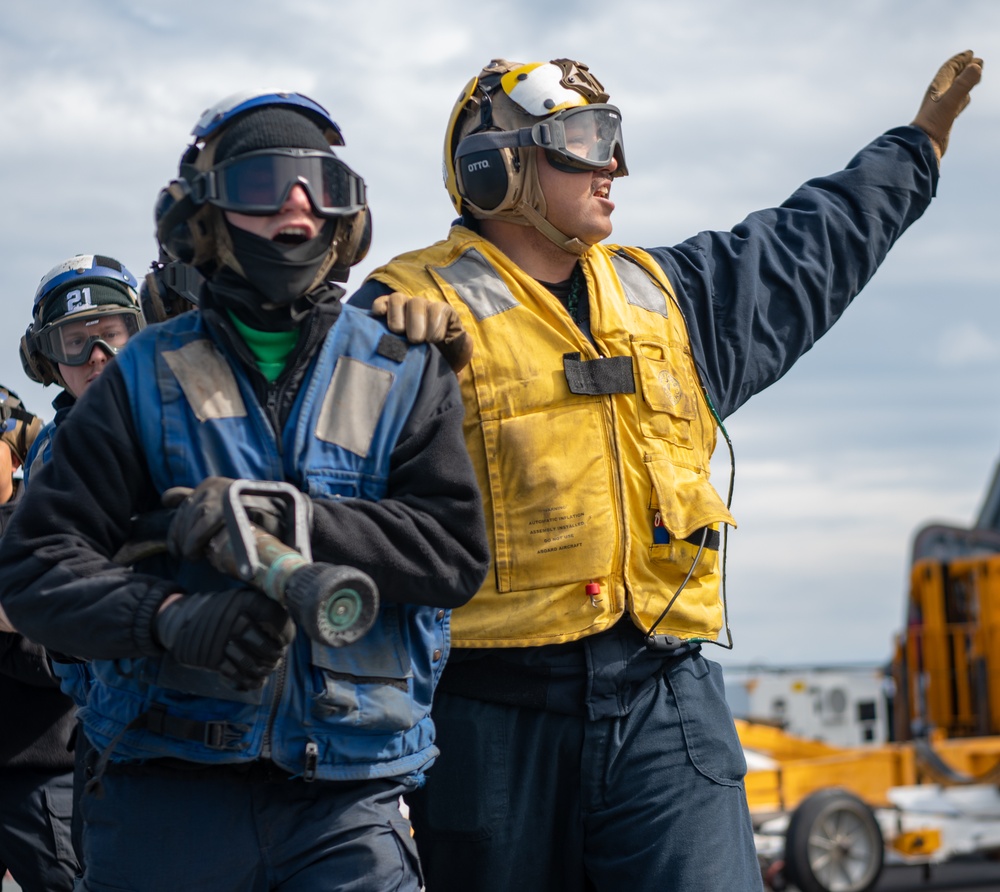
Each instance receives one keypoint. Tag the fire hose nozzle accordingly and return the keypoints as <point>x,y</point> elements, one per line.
<point>334,604</point>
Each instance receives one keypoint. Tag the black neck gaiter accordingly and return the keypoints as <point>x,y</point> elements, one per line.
<point>271,296</point>
<point>283,272</point>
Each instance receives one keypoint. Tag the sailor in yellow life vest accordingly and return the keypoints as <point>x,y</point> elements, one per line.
<point>585,740</point>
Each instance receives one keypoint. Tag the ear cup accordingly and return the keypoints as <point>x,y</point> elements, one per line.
<point>353,245</point>
<point>362,239</point>
<point>35,366</point>
<point>483,178</point>
<point>174,207</point>
<point>151,300</point>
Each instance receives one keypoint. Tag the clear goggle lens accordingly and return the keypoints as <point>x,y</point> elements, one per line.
<point>584,138</point>
<point>258,183</point>
<point>70,341</point>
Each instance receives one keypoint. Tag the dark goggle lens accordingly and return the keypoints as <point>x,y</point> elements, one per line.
<point>260,183</point>
<point>71,341</point>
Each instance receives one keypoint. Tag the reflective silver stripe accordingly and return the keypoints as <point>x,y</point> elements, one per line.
<point>207,380</point>
<point>640,289</point>
<point>353,405</point>
<point>40,458</point>
<point>478,284</point>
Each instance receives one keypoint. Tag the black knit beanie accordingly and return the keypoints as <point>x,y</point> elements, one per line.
<point>99,293</point>
<point>269,128</point>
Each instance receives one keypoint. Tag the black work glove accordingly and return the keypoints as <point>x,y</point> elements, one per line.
<point>238,632</point>
<point>199,516</point>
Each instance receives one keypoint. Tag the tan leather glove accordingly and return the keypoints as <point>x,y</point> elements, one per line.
<point>427,321</point>
<point>947,95</point>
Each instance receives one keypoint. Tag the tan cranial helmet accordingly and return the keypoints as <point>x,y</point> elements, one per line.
<point>559,107</point>
<point>18,426</point>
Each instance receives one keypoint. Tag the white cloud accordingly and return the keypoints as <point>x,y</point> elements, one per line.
<point>967,345</point>
<point>891,420</point>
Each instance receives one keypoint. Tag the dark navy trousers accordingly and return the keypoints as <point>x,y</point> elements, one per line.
<point>35,842</point>
<point>160,830</point>
<point>526,800</point>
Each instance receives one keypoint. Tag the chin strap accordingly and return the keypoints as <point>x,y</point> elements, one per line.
<point>531,209</point>
<point>224,253</point>
<point>561,240</point>
<point>528,208</point>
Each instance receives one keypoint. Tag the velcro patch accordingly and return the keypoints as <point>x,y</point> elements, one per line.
<point>352,405</point>
<point>207,381</point>
<point>392,348</point>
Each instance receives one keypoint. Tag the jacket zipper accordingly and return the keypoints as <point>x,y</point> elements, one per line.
<point>271,405</point>
<point>279,689</point>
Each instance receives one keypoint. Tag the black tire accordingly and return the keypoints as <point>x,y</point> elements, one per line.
<point>833,844</point>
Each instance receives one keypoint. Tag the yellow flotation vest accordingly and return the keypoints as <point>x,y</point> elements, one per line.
<point>593,463</point>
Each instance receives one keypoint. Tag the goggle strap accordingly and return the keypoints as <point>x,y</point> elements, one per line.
<point>495,139</point>
<point>200,184</point>
<point>18,414</point>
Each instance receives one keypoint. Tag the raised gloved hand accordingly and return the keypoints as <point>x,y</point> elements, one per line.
<point>947,95</point>
<point>238,632</point>
<point>199,515</point>
<point>427,321</point>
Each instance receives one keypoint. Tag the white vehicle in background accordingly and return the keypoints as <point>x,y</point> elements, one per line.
<point>846,705</point>
<point>899,768</point>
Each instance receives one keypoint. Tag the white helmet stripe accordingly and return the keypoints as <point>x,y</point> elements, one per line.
<point>537,88</point>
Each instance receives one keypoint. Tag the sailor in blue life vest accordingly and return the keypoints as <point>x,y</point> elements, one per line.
<point>85,310</point>
<point>236,751</point>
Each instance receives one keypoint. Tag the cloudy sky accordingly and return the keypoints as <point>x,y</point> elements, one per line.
<point>893,419</point>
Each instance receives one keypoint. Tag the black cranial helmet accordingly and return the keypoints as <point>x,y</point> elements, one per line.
<point>249,150</point>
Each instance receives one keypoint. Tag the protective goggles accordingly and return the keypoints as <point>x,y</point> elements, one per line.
<point>259,183</point>
<point>70,341</point>
<point>7,421</point>
<point>584,138</point>
<point>12,413</point>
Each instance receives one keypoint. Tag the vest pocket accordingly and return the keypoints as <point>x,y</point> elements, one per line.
<point>685,500</point>
<point>551,486</point>
<point>337,483</point>
<point>668,401</point>
<point>368,682</point>
<point>322,483</point>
